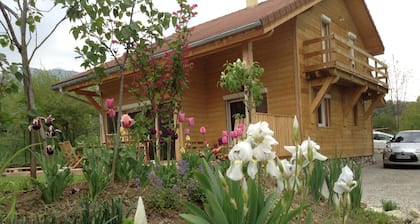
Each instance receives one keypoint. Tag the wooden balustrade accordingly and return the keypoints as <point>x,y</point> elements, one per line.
<point>333,51</point>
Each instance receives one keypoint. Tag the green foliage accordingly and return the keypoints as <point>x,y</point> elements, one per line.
<point>388,205</point>
<point>238,77</point>
<point>9,84</point>
<point>102,211</point>
<point>317,179</point>
<point>164,188</point>
<point>57,178</point>
<point>125,158</point>
<point>410,117</point>
<point>230,201</point>
<point>367,216</point>
<point>356,193</point>
<point>78,121</point>
<point>96,170</point>
<point>333,172</point>
<point>110,212</point>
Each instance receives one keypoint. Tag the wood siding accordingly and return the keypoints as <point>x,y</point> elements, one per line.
<point>343,137</point>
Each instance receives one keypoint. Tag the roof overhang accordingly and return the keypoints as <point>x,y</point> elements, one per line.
<point>366,27</point>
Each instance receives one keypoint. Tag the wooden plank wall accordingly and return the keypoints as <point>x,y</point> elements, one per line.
<point>204,99</point>
<point>282,127</point>
<point>275,54</point>
<point>343,137</point>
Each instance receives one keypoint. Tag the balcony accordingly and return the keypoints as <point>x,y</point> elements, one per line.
<point>345,64</point>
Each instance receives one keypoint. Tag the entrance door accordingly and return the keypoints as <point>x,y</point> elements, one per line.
<point>235,108</point>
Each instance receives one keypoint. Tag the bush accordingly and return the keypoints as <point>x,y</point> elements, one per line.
<point>389,205</point>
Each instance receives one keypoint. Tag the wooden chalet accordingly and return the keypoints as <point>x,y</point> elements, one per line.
<point>319,65</point>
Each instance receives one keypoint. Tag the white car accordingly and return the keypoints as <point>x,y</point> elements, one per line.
<point>380,139</point>
<point>403,149</point>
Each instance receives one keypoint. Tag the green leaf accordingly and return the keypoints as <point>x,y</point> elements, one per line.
<point>194,219</point>
<point>195,210</point>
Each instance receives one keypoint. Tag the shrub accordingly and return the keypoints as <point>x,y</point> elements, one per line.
<point>389,205</point>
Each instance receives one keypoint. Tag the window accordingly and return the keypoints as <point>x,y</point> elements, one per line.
<point>325,31</point>
<point>324,112</point>
<point>355,114</point>
<point>235,106</point>
<point>262,108</point>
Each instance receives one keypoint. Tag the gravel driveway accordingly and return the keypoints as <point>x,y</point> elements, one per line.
<point>401,185</point>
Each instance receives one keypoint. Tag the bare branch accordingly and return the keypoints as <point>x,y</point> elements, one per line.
<point>12,35</point>
<point>48,36</point>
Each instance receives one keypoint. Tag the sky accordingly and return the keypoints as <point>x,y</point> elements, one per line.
<point>397,24</point>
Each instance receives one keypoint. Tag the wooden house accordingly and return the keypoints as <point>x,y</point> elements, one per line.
<point>319,64</point>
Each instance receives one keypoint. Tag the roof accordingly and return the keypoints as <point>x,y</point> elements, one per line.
<point>264,15</point>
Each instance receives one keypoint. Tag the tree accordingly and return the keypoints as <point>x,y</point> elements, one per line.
<point>410,117</point>
<point>111,31</point>
<point>19,31</point>
<point>238,76</point>
<point>73,118</point>
<point>398,80</point>
<point>9,84</point>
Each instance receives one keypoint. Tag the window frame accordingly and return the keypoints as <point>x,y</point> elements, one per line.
<point>324,112</point>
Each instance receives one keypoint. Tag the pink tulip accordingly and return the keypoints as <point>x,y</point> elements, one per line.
<point>224,133</point>
<point>224,140</point>
<point>191,121</point>
<point>233,134</point>
<point>109,103</point>
<point>187,131</point>
<point>111,113</point>
<point>181,117</point>
<point>127,121</point>
<point>239,131</point>
<point>203,130</point>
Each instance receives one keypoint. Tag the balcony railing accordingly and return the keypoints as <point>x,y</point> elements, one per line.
<point>283,130</point>
<point>332,51</point>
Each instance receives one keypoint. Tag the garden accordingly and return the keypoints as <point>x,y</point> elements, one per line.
<point>241,182</point>
<point>238,179</point>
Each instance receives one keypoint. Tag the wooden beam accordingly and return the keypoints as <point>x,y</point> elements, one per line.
<point>321,93</point>
<point>97,106</point>
<point>376,102</point>
<point>353,101</point>
<point>321,81</point>
<point>85,92</point>
<point>223,44</point>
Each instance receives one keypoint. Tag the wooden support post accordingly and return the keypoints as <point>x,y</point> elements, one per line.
<point>356,96</point>
<point>376,102</point>
<point>248,58</point>
<point>326,83</point>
